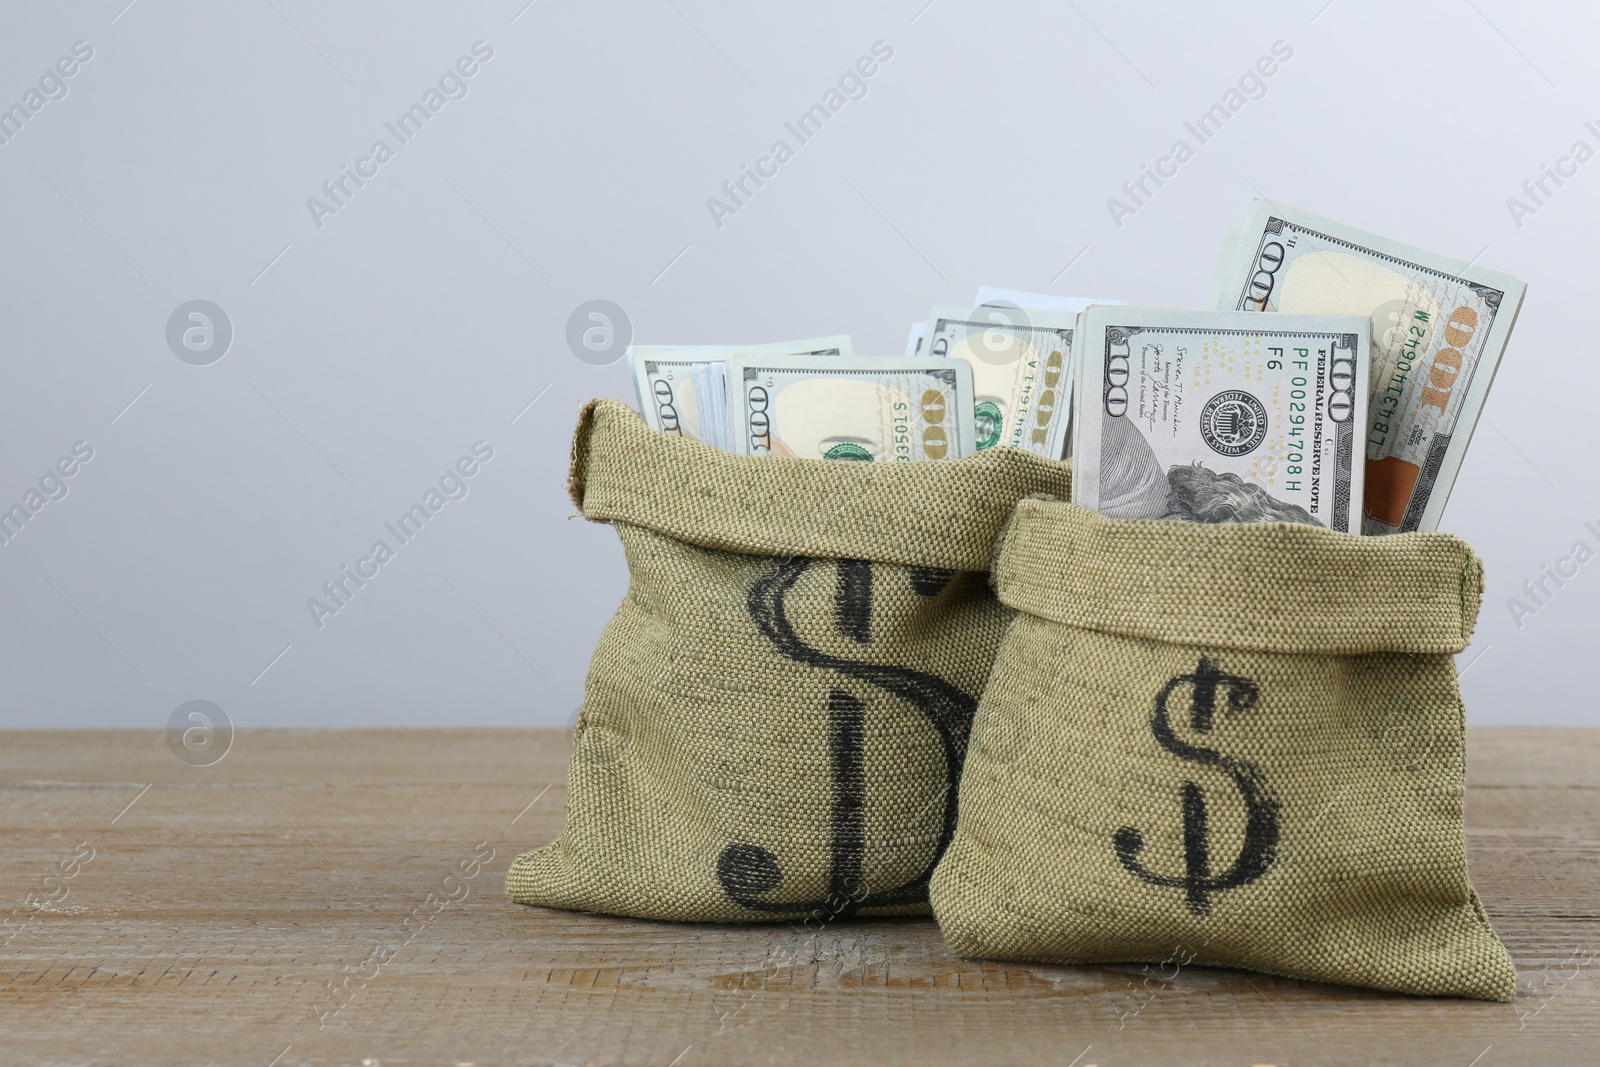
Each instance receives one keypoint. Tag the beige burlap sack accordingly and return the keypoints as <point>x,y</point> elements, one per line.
<point>1227,745</point>
<point>775,719</point>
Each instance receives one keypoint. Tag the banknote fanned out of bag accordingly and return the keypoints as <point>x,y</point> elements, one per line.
<point>683,389</point>
<point>1221,416</point>
<point>1439,326</point>
<point>865,409</point>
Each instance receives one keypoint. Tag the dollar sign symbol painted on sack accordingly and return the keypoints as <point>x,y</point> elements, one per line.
<point>1261,810</point>
<point>747,871</point>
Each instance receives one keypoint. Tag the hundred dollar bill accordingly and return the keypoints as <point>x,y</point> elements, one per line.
<point>1020,364</point>
<point>683,389</point>
<point>1439,327</point>
<point>886,408</point>
<point>1222,416</point>
<point>678,389</point>
<point>995,296</point>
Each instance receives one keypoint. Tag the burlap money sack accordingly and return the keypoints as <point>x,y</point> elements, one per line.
<point>775,719</point>
<point>1225,745</point>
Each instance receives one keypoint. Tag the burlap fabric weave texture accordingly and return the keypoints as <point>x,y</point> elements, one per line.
<point>1226,745</point>
<point>774,721</point>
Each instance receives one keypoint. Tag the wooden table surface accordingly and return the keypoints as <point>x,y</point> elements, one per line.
<point>158,913</point>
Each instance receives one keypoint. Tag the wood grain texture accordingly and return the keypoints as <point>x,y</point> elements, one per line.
<point>222,906</point>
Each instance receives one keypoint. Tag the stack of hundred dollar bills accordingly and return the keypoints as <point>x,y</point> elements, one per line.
<point>1350,406</point>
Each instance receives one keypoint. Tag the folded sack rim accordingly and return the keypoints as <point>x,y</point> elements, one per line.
<point>724,501</point>
<point>1267,587</point>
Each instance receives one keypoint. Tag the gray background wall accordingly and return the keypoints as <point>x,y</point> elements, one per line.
<point>371,351</point>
